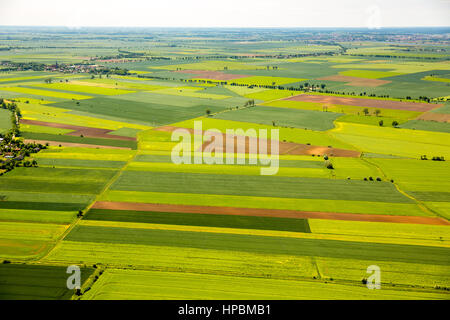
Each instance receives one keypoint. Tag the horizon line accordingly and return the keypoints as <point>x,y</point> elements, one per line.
<point>225,27</point>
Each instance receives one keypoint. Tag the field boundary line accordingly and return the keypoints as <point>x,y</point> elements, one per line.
<point>97,197</point>
<point>419,203</point>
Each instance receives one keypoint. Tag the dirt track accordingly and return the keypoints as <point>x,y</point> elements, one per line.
<point>267,213</point>
<point>361,102</point>
<point>78,130</point>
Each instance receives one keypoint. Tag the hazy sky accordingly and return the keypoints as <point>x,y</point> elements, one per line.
<point>226,13</point>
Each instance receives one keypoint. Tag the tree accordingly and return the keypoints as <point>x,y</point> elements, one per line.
<point>366,111</point>
<point>208,112</point>
<point>394,123</point>
<point>377,112</point>
<point>381,123</point>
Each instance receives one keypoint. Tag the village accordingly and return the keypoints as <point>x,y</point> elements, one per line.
<point>13,151</point>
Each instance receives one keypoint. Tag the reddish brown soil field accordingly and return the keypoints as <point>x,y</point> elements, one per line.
<point>85,131</point>
<point>266,212</point>
<point>213,75</point>
<point>355,81</point>
<point>361,102</point>
<point>432,116</point>
<point>71,144</point>
<point>243,144</point>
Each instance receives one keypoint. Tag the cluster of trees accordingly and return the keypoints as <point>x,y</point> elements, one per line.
<point>249,103</point>
<point>107,71</point>
<point>371,179</point>
<point>15,150</point>
<point>260,56</point>
<point>122,55</point>
<point>21,66</point>
<point>424,98</point>
<point>424,157</point>
<point>366,112</point>
<point>397,56</point>
<point>19,151</point>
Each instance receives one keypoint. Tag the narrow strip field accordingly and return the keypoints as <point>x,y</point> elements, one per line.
<point>156,207</point>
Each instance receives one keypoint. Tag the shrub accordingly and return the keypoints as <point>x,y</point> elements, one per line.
<point>378,179</point>
<point>329,165</point>
<point>370,178</point>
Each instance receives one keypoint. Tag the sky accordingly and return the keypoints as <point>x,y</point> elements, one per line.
<point>228,13</point>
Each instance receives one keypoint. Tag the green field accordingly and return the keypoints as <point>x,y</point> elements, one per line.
<point>306,188</point>
<point>83,89</point>
<point>369,74</point>
<point>235,288</point>
<point>388,140</point>
<point>113,201</point>
<point>34,282</point>
<point>5,120</point>
<point>222,221</point>
<point>45,93</point>
<point>313,120</point>
<point>141,112</point>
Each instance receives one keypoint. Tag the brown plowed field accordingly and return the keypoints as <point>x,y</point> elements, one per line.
<point>432,116</point>
<point>355,81</point>
<point>361,102</point>
<point>284,147</point>
<point>78,130</point>
<point>213,75</point>
<point>156,207</point>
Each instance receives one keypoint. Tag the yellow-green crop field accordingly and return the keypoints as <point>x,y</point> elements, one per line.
<point>46,93</point>
<point>82,89</point>
<point>266,81</point>
<point>369,74</point>
<point>147,217</point>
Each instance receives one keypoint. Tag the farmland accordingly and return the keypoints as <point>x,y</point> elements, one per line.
<point>362,167</point>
